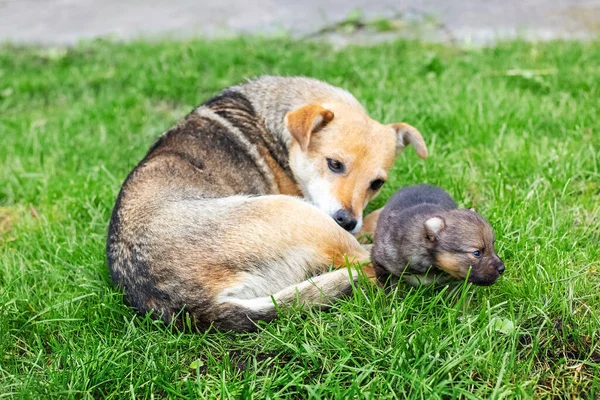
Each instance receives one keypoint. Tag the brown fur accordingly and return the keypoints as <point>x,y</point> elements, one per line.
<point>302,123</point>
<point>284,182</point>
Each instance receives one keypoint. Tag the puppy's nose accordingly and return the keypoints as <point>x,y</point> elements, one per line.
<point>344,219</point>
<point>500,268</point>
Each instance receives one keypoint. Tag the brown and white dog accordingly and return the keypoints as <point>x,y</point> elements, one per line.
<point>212,220</point>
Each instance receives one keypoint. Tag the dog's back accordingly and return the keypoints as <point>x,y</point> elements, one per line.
<point>420,194</point>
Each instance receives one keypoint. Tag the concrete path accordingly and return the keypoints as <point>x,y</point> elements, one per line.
<point>57,22</point>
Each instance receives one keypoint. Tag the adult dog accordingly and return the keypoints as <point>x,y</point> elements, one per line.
<point>249,200</point>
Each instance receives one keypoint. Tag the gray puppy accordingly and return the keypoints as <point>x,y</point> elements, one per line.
<point>422,237</point>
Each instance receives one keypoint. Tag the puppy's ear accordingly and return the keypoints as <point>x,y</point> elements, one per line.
<point>433,226</point>
<point>406,135</point>
<point>473,209</point>
<point>305,121</point>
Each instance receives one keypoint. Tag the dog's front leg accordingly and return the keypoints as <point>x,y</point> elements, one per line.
<point>366,232</point>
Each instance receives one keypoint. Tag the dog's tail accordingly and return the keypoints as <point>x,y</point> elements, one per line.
<point>321,291</point>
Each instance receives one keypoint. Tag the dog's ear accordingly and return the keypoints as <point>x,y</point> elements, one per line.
<point>473,209</point>
<point>305,121</point>
<point>406,135</point>
<point>433,226</point>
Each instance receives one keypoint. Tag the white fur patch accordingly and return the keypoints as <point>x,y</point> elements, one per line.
<point>258,304</point>
<point>317,290</point>
<point>319,191</point>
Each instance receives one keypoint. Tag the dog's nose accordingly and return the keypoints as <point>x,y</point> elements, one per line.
<point>345,220</point>
<point>500,268</point>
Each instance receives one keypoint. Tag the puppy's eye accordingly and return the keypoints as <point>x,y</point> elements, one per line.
<point>377,184</point>
<point>477,253</point>
<point>335,166</point>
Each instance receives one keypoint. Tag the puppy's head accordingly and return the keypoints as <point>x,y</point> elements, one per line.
<point>462,239</point>
<point>340,157</point>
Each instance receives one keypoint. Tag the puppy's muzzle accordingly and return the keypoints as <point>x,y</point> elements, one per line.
<point>345,220</point>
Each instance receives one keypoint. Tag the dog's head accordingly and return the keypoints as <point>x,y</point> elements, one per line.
<point>340,157</point>
<point>463,240</point>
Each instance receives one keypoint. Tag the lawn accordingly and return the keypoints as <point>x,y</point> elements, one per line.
<point>512,130</point>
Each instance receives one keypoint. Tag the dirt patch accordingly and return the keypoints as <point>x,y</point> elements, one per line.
<point>8,216</point>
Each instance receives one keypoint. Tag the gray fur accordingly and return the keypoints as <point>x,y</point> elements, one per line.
<point>404,247</point>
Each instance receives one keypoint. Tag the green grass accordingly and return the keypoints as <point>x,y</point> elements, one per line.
<point>512,130</point>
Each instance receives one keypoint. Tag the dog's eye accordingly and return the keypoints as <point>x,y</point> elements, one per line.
<point>335,166</point>
<point>377,184</point>
<point>477,253</point>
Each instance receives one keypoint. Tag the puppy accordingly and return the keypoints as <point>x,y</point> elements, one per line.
<point>422,237</point>
<point>245,204</point>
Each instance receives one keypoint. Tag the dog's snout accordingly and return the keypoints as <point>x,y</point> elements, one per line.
<point>500,268</point>
<point>345,220</point>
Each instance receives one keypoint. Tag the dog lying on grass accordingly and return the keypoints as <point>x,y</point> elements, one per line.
<point>249,200</point>
<point>422,237</point>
